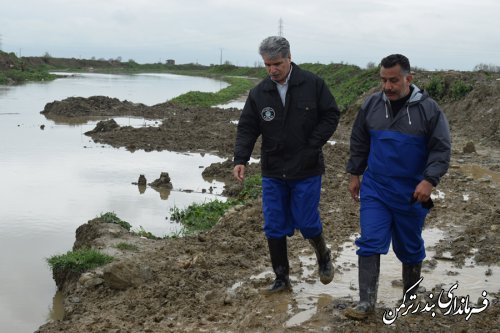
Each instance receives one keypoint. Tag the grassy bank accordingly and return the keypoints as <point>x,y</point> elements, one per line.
<point>14,70</point>
<point>346,82</point>
<point>237,87</point>
<point>201,217</point>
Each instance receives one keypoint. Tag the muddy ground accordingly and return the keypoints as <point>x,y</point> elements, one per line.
<point>203,283</point>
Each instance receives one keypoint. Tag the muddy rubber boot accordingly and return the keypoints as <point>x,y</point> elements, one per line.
<point>368,272</point>
<point>411,275</point>
<point>324,261</point>
<point>279,260</point>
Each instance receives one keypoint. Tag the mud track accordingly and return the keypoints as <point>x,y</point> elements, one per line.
<point>210,282</point>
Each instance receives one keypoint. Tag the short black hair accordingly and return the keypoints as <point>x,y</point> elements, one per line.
<point>396,59</point>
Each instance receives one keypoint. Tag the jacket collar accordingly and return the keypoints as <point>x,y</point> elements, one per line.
<point>416,95</point>
<point>296,78</point>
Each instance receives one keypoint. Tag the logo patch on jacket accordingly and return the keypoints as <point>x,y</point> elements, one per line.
<point>267,113</point>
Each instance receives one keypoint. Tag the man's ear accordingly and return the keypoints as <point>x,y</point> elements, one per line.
<point>409,78</point>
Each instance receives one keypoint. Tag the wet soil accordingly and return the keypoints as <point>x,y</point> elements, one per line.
<point>211,282</point>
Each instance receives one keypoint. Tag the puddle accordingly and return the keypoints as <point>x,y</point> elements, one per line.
<point>233,104</point>
<point>309,294</point>
<point>137,122</point>
<point>480,173</point>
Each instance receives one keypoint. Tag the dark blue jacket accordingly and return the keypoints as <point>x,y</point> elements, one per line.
<point>413,145</point>
<point>292,135</point>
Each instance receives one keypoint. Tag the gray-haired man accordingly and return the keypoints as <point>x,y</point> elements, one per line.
<point>296,114</point>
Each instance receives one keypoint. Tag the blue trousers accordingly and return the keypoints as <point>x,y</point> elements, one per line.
<point>291,204</point>
<point>383,218</point>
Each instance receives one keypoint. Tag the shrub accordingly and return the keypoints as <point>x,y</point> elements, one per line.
<point>110,217</point>
<point>460,89</point>
<point>436,88</point>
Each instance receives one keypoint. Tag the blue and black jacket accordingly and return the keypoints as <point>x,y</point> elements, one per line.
<point>400,150</point>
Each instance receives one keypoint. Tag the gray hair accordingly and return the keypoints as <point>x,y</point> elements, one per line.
<point>274,47</point>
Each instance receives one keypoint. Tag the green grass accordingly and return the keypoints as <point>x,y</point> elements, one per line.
<point>237,87</point>
<point>20,76</point>
<point>201,217</point>
<point>110,217</point>
<point>78,261</point>
<point>252,188</point>
<point>346,82</point>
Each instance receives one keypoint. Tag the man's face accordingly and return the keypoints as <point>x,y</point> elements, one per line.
<point>278,67</point>
<point>395,84</point>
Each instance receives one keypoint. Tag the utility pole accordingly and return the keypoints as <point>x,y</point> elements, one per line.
<point>221,57</point>
<point>280,33</point>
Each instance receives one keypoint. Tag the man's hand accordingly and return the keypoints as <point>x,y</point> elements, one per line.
<point>354,186</point>
<point>239,172</point>
<point>423,191</point>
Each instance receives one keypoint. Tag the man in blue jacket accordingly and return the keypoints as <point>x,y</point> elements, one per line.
<point>295,114</point>
<point>400,143</point>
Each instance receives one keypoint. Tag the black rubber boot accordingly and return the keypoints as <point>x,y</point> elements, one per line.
<point>368,273</point>
<point>411,275</point>
<point>324,261</point>
<point>279,261</point>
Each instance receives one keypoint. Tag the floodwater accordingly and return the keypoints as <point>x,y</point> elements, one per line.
<point>55,179</point>
<point>310,294</point>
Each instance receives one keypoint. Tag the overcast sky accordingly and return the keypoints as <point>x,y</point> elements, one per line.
<point>434,34</point>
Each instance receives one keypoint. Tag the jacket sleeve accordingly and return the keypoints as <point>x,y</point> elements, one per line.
<point>439,146</point>
<point>359,145</point>
<point>329,115</point>
<point>248,131</point>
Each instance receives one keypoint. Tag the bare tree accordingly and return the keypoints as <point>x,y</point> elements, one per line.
<point>487,68</point>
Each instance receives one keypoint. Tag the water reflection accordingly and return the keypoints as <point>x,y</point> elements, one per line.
<point>142,188</point>
<point>164,193</point>
<point>56,179</point>
<point>57,310</point>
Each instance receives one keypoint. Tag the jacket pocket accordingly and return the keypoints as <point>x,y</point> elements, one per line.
<point>270,157</point>
<point>308,115</point>
<point>310,158</point>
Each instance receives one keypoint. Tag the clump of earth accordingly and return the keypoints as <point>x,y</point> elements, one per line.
<point>210,282</point>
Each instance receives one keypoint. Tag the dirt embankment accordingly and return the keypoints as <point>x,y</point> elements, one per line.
<point>203,283</point>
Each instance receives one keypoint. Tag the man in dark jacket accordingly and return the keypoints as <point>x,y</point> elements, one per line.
<point>296,114</point>
<point>400,143</point>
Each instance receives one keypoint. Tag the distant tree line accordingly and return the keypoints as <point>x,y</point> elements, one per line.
<point>487,68</point>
